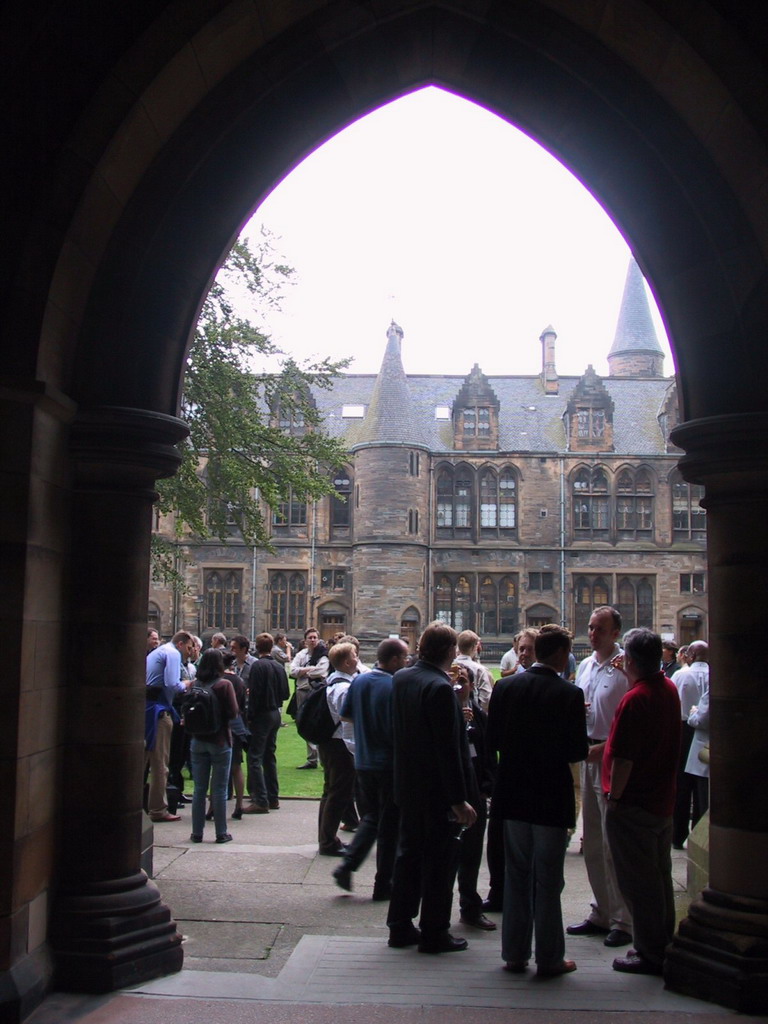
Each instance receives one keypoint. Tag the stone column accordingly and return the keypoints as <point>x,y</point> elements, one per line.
<point>721,950</point>
<point>109,927</point>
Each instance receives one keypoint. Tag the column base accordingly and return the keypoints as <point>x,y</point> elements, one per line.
<point>24,986</point>
<point>111,934</point>
<point>720,952</point>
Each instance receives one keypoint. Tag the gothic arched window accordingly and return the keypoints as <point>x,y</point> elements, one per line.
<point>634,504</point>
<point>689,519</point>
<point>635,602</point>
<point>589,592</point>
<point>489,500</point>
<point>507,500</point>
<point>590,497</point>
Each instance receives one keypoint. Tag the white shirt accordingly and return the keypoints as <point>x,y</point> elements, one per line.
<point>691,686</point>
<point>483,680</point>
<point>699,719</point>
<point>317,672</point>
<point>338,684</point>
<point>603,687</point>
<point>508,660</point>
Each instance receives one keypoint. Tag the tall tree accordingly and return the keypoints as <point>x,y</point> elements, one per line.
<point>255,436</point>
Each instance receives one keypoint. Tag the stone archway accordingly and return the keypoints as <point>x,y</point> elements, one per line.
<point>134,184</point>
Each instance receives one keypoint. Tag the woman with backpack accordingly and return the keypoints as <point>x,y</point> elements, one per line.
<point>208,710</point>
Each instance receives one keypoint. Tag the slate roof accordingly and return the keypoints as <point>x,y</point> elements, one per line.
<point>634,329</point>
<point>389,417</point>
<point>529,420</point>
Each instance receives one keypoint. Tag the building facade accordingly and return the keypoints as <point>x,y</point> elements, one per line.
<point>489,503</point>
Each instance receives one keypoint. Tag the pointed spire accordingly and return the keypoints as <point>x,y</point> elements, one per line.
<point>389,419</point>
<point>635,351</point>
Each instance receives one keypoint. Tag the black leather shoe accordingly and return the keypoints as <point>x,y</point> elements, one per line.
<point>492,907</point>
<point>587,928</point>
<point>479,921</point>
<point>400,938</point>
<point>636,964</point>
<point>343,877</point>
<point>335,851</point>
<point>617,937</point>
<point>444,943</point>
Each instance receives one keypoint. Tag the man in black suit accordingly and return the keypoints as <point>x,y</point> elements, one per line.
<point>432,771</point>
<point>536,722</point>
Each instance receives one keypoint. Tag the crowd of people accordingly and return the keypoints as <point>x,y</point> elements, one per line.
<point>425,754</point>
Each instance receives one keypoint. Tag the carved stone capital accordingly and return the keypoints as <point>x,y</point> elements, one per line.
<point>728,454</point>
<point>124,449</point>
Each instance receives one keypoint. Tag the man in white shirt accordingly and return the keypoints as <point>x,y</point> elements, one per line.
<point>309,668</point>
<point>604,684</point>
<point>467,643</point>
<point>508,662</point>
<point>693,782</point>
<point>337,754</point>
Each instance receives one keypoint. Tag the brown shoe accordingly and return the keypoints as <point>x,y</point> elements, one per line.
<point>166,817</point>
<point>255,809</point>
<point>564,967</point>
<point>479,921</point>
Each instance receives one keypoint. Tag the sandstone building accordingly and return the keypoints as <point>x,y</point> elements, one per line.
<point>139,138</point>
<point>486,502</point>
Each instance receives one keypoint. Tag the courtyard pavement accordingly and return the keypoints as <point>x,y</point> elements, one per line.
<point>269,937</point>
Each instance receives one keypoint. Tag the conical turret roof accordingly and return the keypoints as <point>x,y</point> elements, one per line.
<point>390,418</point>
<point>635,331</point>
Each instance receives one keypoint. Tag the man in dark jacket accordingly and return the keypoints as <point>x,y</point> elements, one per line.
<point>267,689</point>
<point>537,724</point>
<point>432,771</point>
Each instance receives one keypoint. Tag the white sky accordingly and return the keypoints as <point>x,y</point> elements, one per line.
<point>438,214</point>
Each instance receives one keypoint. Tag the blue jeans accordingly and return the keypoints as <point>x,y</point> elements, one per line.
<point>210,762</point>
<point>534,856</point>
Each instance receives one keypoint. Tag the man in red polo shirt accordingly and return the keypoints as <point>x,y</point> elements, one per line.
<point>639,777</point>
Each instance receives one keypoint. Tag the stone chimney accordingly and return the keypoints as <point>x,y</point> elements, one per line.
<point>548,372</point>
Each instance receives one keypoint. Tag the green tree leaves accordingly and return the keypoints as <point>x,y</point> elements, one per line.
<point>255,434</point>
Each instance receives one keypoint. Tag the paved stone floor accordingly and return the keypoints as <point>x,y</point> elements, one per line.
<point>268,936</point>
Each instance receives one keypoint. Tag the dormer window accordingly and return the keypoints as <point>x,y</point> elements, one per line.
<point>476,414</point>
<point>590,424</point>
<point>589,415</point>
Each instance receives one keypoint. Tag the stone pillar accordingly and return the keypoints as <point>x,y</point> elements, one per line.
<point>34,502</point>
<point>109,927</point>
<point>721,950</point>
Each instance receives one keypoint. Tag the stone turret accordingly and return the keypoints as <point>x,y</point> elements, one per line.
<point>392,501</point>
<point>635,351</point>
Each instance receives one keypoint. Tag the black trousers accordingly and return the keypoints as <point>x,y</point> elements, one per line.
<point>470,858</point>
<point>338,788</point>
<point>685,807</point>
<point>425,870</point>
<point>379,824</point>
<point>495,857</point>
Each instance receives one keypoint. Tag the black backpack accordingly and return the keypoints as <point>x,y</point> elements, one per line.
<point>314,722</point>
<point>201,710</point>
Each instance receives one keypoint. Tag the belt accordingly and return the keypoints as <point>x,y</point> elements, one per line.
<point>593,743</point>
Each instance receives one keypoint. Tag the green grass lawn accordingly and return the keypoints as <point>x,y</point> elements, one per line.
<point>291,752</point>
